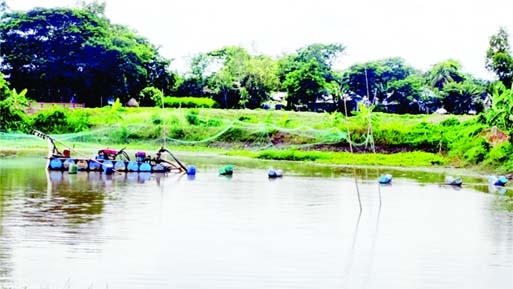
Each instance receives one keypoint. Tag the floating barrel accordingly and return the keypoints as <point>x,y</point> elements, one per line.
<point>82,165</point>
<point>132,166</point>
<point>73,168</point>
<point>385,179</point>
<point>191,170</point>
<point>501,181</point>
<point>108,167</point>
<point>272,173</point>
<point>55,164</point>
<point>120,166</point>
<point>66,164</point>
<point>94,166</point>
<point>158,168</point>
<point>145,167</point>
<point>226,170</point>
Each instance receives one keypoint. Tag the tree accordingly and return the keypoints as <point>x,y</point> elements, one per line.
<point>324,54</point>
<point>259,80</point>
<point>304,85</point>
<point>498,57</point>
<point>407,93</point>
<point>12,105</point>
<point>375,80</point>
<point>151,96</point>
<point>233,77</point>
<point>461,97</point>
<point>501,112</point>
<point>443,73</point>
<point>308,73</point>
<point>63,54</point>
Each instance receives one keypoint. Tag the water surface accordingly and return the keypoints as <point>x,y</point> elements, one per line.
<point>304,230</point>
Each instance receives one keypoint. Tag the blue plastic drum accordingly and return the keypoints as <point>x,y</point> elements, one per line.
<point>55,164</point>
<point>145,167</point>
<point>67,163</point>
<point>120,166</point>
<point>132,167</point>
<point>94,166</point>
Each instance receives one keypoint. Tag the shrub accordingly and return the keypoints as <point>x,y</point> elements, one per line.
<point>12,120</point>
<point>150,96</point>
<point>53,121</point>
<point>189,102</point>
<point>192,117</point>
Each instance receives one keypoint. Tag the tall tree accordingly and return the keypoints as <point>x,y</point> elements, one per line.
<point>233,77</point>
<point>443,73</point>
<point>372,79</point>
<point>63,54</point>
<point>461,97</point>
<point>304,85</point>
<point>226,82</point>
<point>498,57</point>
<point>308,73</point>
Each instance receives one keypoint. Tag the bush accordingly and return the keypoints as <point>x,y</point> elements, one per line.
<point>53,121</point>
<point>12,120</point>
<point>188,102</point>
<point>150,96</point>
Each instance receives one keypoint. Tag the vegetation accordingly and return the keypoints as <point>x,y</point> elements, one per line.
<point>368,138</point>
<point>383,106</point>
<point>77,55</point>
<point>82,57</point>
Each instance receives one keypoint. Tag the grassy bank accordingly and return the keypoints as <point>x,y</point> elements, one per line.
<point>364,139</point>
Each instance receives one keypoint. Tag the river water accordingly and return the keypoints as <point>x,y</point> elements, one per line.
<point>304,230</point>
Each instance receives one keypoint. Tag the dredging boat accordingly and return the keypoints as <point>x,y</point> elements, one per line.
<point>109,160</point>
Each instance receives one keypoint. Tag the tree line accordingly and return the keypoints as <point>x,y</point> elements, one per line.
<point>78,55</point>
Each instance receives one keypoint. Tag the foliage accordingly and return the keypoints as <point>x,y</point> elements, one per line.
<point>499,156</point>
<point>304,85</point>
<point>308,74</point>
<point>465,141</point>
<point>192,117</point>
<point>17,101</point>
<point>443,73</point>
<point>12,119</point>
<point>117,105</point>
<point>391,84</point>
<point>189,102</point>
<point>151,96</point>
<point>55,121</point>
<point>460,97</point>
<point>405,92</point>
<point>372,78</point>
<point>233,77</point>
<point>5,90</point>
<point>500,114</point>
<point>12,105</point>
<point>80,56</point>
<point>407,159</point>
<point>498,57</point>
<point>437,138</point>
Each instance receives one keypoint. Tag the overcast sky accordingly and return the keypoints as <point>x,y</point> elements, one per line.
<point>421,32</point>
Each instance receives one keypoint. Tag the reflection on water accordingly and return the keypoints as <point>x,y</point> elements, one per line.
<point>248,231</point>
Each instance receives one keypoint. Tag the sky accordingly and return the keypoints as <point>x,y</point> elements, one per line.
<point>421,32</point>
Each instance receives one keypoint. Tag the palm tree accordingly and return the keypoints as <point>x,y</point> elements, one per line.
<point>445,72</point>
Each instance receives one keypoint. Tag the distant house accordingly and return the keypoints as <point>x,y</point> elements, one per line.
<point>278,96</point>
<point>324,103</point>
<point>277,101</point>
<point>349,102</point>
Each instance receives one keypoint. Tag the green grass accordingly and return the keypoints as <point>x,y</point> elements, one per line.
<point>288,135</point>
<point>405,159</point>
